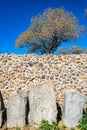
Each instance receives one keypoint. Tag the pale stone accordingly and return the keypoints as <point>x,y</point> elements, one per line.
<point>42,104</point>
<point>17,109</point>
<point>65,70</point>
<point>74,103</point>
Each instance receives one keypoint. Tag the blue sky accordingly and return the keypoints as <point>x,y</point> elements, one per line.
<point>15,18</point>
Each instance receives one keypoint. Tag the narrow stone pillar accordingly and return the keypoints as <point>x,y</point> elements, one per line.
<point>74,103</point>
<point>16,109</point>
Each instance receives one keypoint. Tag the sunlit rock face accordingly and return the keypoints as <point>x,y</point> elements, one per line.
<point>25,71</point>
<point>74,103</point>
<point>17,109</point>
<point>42,102</point>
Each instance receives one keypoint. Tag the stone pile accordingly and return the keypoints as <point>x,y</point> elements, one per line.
<point>25,71</point>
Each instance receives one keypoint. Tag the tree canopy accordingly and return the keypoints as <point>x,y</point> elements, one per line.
<point>86,12</point>
<point>71,50</point>
<point>48,30</point>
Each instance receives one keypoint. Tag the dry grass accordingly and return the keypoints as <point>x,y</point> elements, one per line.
<point>28,127</point>
<point>60,124</point>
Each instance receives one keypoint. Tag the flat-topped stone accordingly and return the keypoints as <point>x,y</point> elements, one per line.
<point>74,103</point>
<point>42,102</point>
<point>17,109</point>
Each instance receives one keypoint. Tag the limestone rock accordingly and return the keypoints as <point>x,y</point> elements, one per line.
<point>17,109</point>
<point>42,104</point>
<point>66,71</point>
<point>74,102</point>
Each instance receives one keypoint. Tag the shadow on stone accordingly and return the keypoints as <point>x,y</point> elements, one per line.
<point>4,116</point>
<point>3,110</point>
<point>59,114</point>
<point>27,110</point>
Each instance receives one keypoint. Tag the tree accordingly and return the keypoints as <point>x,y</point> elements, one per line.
<point>86,12</point>
<point>72,50</point>
<point>65,50</point>
<point>49,30</point>
<point>77,50</point>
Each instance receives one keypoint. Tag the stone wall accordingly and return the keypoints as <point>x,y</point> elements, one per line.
<point>26,71</point>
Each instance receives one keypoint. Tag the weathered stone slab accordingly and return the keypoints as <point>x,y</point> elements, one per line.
<point>16,109</point>
<point>74,103</point>
<point>42,104</point>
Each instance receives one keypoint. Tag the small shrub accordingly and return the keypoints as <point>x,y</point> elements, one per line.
<point>17,128</point>
<point>83,122</point>
<point>46,126</point>
<point>72,128</point>
<point>64,50</point>
<point>63,127</point>
<point>77,50</point>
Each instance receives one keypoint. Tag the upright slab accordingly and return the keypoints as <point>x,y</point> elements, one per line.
<point>74,102</point>
<point>16,109</point>
<point>42,104</point>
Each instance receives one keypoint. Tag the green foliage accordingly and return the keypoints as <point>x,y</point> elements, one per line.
<point>77,50</point>
<point>72,50</point>
<point>49,29</point>
<point>63,127</point>
<point>18,128</point>
<point>86,12</point>
<point>83,122</point>
<point>65,50</point>
<point>46,126</point>
<point>72,128</point>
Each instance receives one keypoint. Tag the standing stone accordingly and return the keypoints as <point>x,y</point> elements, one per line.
<point>74,103</point>
<point>17,109</point>
<point>42,104</point>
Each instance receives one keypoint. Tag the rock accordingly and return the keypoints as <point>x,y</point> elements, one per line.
<point>78,57</point>
<point>1,80</point>
<point>17,109</point>
<point>74,103</point>
<point>27,70</point>
<point>42,104</point>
